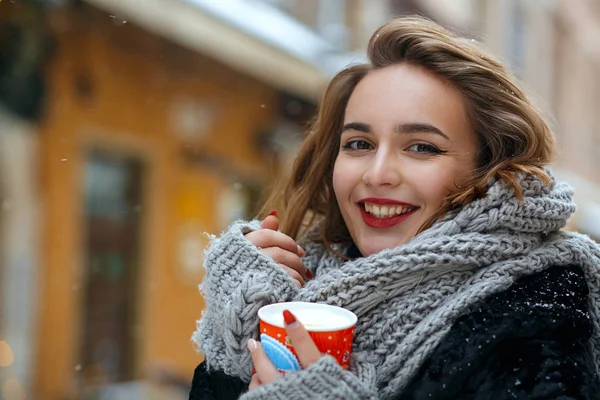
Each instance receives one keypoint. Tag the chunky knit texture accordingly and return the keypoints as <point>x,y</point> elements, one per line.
<point>406,298</point>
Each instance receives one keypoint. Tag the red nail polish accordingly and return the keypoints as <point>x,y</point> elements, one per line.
<point>309,274</point>
<point>288,317</point>
<point>274,213</point>
<point>253,371</point>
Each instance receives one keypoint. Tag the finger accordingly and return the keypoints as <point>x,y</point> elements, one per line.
<point>286,258</point>
<point>264,238</point>
<point>270,222</point>
<point>254,382</point>
<point>265,369</point>
<point>294,275</point>
<point>307,351</point>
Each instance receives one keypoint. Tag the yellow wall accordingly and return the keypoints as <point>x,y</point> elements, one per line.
<point>134,79</point>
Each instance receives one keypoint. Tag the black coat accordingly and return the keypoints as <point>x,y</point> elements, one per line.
<point>528,342</point>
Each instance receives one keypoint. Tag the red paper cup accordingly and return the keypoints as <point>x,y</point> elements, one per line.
<point>331,328</point>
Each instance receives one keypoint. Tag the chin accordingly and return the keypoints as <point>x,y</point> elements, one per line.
<point>370,249</point>
<point>375,245</point>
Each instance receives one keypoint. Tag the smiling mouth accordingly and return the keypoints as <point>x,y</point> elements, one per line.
<point>382,211</point>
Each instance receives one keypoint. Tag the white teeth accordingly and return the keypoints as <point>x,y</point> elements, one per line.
<point>381,211</point>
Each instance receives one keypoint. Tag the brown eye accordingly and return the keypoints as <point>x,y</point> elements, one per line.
<point>358,145</point>
<point>424,148</point>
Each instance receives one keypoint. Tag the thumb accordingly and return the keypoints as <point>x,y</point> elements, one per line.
<point>270,222</point>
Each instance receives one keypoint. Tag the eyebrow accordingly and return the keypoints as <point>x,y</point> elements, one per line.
<point>409,127</point>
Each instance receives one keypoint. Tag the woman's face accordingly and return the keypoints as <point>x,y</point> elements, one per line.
<point>405,145</point>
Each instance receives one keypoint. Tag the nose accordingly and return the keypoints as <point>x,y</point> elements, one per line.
<point>383,169</point>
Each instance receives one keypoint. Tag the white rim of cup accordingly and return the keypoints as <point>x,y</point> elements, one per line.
<point>265,312</point>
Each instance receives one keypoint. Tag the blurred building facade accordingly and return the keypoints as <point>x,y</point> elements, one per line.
<point>162,120</point>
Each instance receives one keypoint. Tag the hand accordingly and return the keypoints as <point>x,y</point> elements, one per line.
<point>307,352</point>
<point>281,248</point>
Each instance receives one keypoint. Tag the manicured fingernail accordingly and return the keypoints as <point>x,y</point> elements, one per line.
<point>253,371</point>
<point>288,317</point>
<point>252,345</point>
<point>273,213</point>
<point>309,274</point>
<point>301,251</point>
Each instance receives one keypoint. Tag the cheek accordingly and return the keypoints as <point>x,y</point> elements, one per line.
<point>338,180</point>
<point>435,185</point>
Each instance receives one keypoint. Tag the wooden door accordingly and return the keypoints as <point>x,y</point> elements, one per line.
<point>112,263</point>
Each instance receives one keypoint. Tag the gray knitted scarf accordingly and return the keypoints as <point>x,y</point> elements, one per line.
<point>406,298</point>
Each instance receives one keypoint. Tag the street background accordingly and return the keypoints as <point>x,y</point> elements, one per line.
<point>131,128</point>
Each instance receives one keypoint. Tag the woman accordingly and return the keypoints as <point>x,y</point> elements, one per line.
<point>419,201</point>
